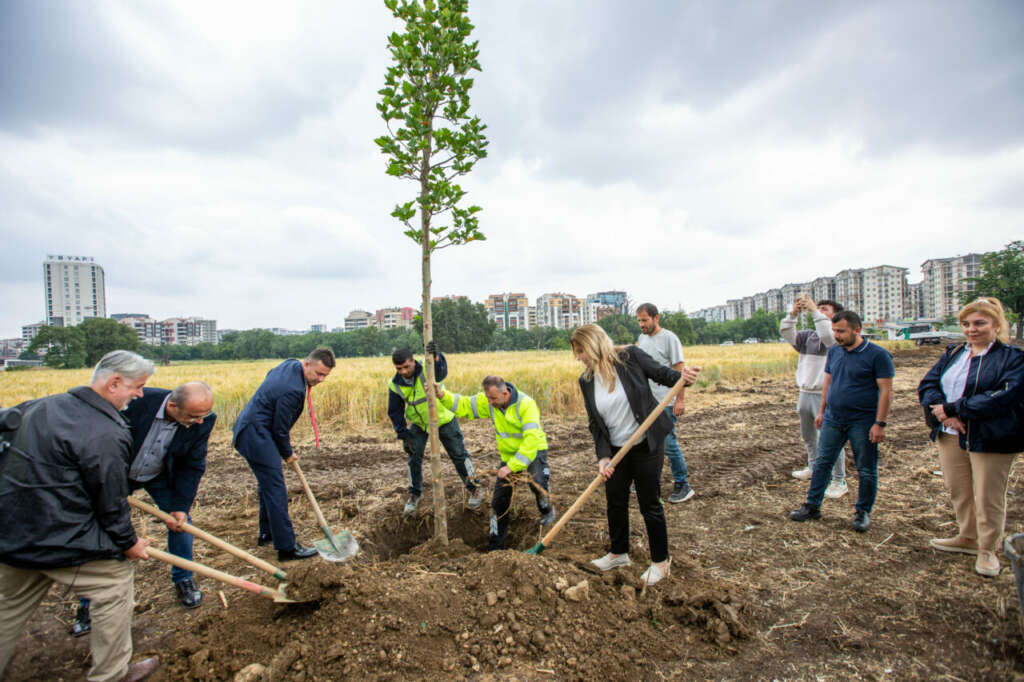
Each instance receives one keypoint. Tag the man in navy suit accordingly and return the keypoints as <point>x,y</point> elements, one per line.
<point>170,431</point>
<point>262,438</point>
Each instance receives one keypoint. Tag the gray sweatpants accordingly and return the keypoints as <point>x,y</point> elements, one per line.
<point>807,406</point>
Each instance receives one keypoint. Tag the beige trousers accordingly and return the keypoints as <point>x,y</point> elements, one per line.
<point>110,586</point>
<point>977,484</point>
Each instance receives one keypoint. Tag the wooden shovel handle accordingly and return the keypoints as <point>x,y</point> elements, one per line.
<point>599,479</point>
<point>201,569</point>
<point>309,493</point>
<point>213,540</point>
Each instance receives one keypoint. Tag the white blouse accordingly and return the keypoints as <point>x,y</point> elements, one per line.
<point>614,410</point>
<point>954,379</point>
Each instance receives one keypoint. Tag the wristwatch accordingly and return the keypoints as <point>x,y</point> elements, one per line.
<point>882,424</point>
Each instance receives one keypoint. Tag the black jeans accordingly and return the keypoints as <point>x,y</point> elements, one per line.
<point>450,436</point>
<point>501,500</point>
<point>643,467</point>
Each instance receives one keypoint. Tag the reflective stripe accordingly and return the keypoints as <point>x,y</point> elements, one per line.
<point>418,402</point>
<point>472,405</point>
<point>530,425</point>
<point>491,408</point>
<point>455,402</point>
<point>502,434</point>
<point>518,418</point>
<point>523,459</point>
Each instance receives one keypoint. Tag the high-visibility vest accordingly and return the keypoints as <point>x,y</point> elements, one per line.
<point>516,428</point>
<point>416,410</point>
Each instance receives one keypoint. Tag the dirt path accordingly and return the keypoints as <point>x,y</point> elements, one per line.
<point>752,594</point>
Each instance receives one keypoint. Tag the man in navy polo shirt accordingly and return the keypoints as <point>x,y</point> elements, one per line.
<point>854,404</point>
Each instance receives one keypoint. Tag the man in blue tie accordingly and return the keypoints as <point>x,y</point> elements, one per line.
<point>261,436</point>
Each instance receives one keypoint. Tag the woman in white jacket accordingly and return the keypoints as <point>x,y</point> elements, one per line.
<point>813,345</point>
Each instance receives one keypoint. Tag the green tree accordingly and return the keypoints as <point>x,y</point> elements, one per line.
<point>432,140</point>
<point>681,325</point>
<point>624,329</point>
<point>1002,277</point>
<point>103,335</point>
<point>459,326</point>
<point>65,346</point>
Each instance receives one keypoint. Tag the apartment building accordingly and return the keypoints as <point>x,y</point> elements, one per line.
<point>509,310</point>
<point>174,331</point>
<point>823,288</point>
<point>913,303</point>
<point>944,281</point>
<point>391,318</point>
<point>558,310</point>
<point>850,289</point>
<point>30,331</point>
<point>615,299</point>
<point>73,290</point>
<point>883,291</point>
<point>358,319</point>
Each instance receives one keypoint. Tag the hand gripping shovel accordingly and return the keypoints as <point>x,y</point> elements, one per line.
<point>263,591</point>
<point>338,547</point>
<point>598,480</point>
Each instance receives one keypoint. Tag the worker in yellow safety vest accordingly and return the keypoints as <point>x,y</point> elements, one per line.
<point>407,400</point>
<point>522,446</point>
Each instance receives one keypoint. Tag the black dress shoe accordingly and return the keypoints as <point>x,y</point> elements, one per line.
<point>188,593</point>
<point>264,539</point>
<point>861,521</point>
<point>296,552</point>
<point>805,513</point>
<point>83,622</point>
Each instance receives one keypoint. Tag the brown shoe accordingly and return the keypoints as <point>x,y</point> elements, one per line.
<point>141,670</point>
<point>957,544</point>
<point>987,564</point>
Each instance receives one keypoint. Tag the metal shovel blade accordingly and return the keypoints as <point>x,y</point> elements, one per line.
<point>338,547</point>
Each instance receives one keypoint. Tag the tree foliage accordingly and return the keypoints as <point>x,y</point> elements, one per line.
<point>624,329</point>
<point>460,326</point>
<point>103,335</point>
<point>1002,277</point>
<point>65,346</point>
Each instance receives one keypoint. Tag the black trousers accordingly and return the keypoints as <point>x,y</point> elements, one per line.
<point>642,467</point>
<point>501,500</point>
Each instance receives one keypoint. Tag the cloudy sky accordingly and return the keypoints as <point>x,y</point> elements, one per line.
<point>217,158</point>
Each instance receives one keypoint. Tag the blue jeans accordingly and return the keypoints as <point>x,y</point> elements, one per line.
<point>831,440</point>
<point>178,544</point>
<point>672,452</point>
<point>451,438</point>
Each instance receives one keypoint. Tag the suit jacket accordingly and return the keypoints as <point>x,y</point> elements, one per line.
<point>636,368</point>
<point>276,405</point>
<point>185,460</point>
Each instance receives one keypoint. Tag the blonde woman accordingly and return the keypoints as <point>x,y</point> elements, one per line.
<point>973,399</point>
<point>618,398</point>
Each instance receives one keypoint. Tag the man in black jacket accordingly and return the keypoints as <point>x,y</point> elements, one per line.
<point>168,459</point>
<point>64,513</point>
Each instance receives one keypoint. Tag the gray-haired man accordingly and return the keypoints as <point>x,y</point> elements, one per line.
<point>65,516</point>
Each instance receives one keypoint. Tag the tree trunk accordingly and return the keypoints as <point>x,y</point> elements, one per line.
<point>440,504</point>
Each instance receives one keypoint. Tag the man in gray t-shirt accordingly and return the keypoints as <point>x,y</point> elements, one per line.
<point>664,346</point>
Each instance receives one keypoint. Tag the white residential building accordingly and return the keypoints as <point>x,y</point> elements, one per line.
<point>357,319</point>
<point>944,281</point>
<point>73,290</point>
<point>884,289</point>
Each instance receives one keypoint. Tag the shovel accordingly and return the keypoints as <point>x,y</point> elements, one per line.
<point>599,479</point>
<point>213,540</point>
<point>339,547</point>
<point>263,591</point>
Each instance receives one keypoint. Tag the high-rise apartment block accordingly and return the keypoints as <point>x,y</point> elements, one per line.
<point>615,299</point>
<point>73,290</point>
<point>884,292</point>
<point>510,311</point>
<point>945,279</point>
<point>174,331</point>
<point>391,318</point>
<point>358,319</point>
<point>558,310</point>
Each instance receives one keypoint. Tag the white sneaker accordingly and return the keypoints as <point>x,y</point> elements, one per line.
<point>836,490</point>
<point>610,561</point>
<point>654,574</point>
<point>803,474</point>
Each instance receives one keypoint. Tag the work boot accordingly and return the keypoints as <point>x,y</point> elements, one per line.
<point>264,539</point>
<point>297,552</point>
<point>987,564</point>
<point>476,498</point>
<point>954,544</point>
<point>681,492</point>
<point>411,505</point>
<point>806,512</point>
<point>188,594</point>
<point>141,670</point>
<point>861,521</point>
<point>549,516</point>
<point>82,624</point>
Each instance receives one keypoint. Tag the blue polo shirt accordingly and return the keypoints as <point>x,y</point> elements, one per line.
<point>853,391</point>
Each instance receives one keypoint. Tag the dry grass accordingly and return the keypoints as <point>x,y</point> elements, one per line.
<point>355,395</point>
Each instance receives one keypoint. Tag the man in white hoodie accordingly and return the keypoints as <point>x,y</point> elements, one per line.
<point>810,378</point>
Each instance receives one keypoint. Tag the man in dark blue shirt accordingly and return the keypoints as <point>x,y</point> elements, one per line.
<point>262,437</point>
<point>854,404</point>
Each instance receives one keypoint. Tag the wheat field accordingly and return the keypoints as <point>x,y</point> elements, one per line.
<point>355,394</point>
